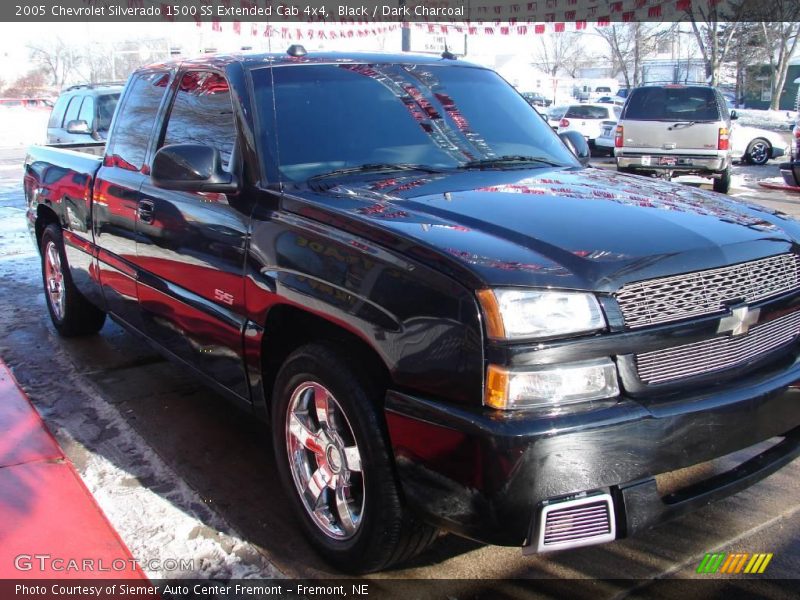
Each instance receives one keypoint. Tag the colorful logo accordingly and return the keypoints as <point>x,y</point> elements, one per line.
<point>734,563</point>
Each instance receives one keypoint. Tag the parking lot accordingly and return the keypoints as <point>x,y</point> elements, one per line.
<point>182,474</point>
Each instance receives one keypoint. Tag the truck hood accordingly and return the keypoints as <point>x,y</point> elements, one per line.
<point>570,228</point>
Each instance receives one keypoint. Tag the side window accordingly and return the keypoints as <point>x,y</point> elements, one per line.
<point>87,111</point>
<point>57,114</point>
<point>105,110</point>
<point>72,109</point>
<point>202,113</point>
<point>136,118</point>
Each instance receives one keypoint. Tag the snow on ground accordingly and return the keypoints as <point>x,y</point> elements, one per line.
<point>162,522</point>
<point>22,126</point>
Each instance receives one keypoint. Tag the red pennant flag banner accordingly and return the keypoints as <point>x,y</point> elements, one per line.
<point>500,17</point>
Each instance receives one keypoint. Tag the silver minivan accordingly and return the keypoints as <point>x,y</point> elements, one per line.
<point>675,129</point>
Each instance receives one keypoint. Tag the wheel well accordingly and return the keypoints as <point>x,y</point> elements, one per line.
<point>44,217</point>
<point>288,328</point>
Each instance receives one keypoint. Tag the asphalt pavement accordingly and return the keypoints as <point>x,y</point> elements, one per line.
<point>179,472</point>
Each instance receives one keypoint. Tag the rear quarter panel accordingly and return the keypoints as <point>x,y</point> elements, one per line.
<point>58,183</point>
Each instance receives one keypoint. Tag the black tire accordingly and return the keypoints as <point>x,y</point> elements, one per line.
<point>722,184</point>
<point>758,152</point>
<point>75,315</point>
<point>386,533</point>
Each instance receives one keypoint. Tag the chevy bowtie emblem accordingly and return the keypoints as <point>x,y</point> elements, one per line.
<point>739,321</point>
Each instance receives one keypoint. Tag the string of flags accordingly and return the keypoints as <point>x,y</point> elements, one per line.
<point>498,17</point>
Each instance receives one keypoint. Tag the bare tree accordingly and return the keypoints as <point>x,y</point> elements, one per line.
<point>781,35</point>
<point>558,53</point>
<point>95,63</point>
<point>749,49</point>
<point>628,45</point>
<point>58,60</point>
<point>32,83</point>
<point>714,39</point>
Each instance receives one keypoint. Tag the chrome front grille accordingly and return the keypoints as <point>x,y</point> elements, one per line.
<point>708,356</point>
<point>706,292</point>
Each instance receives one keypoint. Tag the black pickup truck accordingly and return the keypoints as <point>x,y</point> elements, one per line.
<point>449,322</point>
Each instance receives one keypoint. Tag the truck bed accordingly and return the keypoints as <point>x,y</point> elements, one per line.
<point>60,178</point>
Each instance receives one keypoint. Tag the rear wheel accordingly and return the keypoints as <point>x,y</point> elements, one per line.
<point>71,313</point>
<point>722,184</point>
<point>334,459</point>
<point>758,152</point>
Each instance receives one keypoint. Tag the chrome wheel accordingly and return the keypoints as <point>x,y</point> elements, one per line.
<point>759,152</point>
<point>324,460</point>
<point>54,279</point>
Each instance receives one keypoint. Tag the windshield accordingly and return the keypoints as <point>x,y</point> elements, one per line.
<point>334,117</point>
<point>105,110</point>
<point>672,104</point>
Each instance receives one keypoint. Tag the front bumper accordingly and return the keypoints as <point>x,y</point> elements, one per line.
<point>486,475</point>
<point>676,162</point>
<point>776,152</point>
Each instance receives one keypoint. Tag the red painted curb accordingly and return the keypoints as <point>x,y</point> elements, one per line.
<point>50,525</point>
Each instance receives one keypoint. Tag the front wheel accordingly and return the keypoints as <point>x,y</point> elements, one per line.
<point>722,184</point>
<point>71,313</point>
<point>334,459</point>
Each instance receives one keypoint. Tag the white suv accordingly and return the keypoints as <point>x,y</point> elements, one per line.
<point>588,119</point>
<point>676,129</point>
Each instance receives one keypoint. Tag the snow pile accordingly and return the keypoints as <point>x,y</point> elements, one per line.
<point>774,120</point>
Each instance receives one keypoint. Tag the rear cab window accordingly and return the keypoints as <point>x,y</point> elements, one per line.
<point>691,103</point>
<point>134,125</point>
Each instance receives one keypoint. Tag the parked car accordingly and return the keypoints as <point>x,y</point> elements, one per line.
<point>446,320</point>
<point>587,119</point>
<point>676,130</point>
<point>29,103</point>
<point>601,91</point>
<point>83,113</point>
<point>755,145</point>
<point>536,99</point>
<point>554,114</point>
<point>604,144</point>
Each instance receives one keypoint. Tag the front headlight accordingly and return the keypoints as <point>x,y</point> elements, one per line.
<point>550,386</point>
<point>513,313</point>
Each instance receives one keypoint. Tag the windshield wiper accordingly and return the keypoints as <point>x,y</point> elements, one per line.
<point>681,125</point>
<point>510,158</point>
<point>375,167</point>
